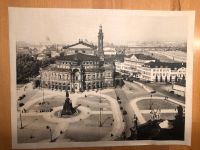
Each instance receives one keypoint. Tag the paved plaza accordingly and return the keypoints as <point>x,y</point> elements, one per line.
<point>94,107</point>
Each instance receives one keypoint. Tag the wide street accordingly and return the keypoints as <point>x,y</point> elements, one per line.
<point>126,94</point>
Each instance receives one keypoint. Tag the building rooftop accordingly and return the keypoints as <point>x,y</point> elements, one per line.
<point>79,57</point>
<point>144,57</point>
<point>80,44</point>
<point>159,64</point>
<point>54,68</point>
<point>140,56</point>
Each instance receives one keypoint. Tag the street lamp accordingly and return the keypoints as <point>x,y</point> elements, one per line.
<point>50,131</point>
<point>150,103</point>
<point>20,117</point>
<point>42,86</point>
<point>100,123</point>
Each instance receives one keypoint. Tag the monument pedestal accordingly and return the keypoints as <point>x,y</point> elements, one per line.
<point>68,109</point>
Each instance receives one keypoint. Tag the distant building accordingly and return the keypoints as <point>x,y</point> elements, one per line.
<point>147,68</point>
<point>54,53</point>
<point>41,56</point>
<point>82,67</point>
<point>109,51</point>
<point>162,71</point>
<point>132,63</point>
<point>23,50</point>
<point>80,47</point>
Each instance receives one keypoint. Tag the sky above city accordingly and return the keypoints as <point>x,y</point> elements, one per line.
<point>119,27</point>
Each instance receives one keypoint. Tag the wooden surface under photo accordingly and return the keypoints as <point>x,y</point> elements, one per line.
<point>5,72</point>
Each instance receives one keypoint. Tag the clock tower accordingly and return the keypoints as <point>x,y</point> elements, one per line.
<point>100,43</point>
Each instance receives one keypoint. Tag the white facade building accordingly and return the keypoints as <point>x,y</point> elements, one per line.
<point>54,53</point>
<point>132,63</point>
<point>162,72</point>
<point>41,56</point>
<point>147,68</point>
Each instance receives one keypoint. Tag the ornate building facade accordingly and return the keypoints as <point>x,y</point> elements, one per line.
<point>82,67</point>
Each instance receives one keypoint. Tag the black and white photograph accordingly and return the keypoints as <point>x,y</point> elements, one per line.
<point>91,77</point>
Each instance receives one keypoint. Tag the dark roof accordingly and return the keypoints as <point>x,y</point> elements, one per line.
<point>79,57</point>
<point>82,43</point>
<point>159,64</point>
<point>54,68</point>
<point>143,57</point>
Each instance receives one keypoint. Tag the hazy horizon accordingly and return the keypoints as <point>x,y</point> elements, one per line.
<point>119,27</point>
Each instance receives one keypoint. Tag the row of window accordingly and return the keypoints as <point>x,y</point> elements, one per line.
<point>84,62</point>
<point>55,76</point>
<point>161,70</point>
<point>80,51</point>
<point>160,74</point>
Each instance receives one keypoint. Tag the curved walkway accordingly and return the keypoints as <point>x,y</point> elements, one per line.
<point>138,112</point>
<point>118,124</point>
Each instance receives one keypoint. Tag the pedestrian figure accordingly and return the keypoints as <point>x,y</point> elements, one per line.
<point>151,115</point>
<point>135,120</point>
<point>154,115</point>
<point>158,115</point>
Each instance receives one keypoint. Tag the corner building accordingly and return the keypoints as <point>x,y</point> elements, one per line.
<point>82,67</point>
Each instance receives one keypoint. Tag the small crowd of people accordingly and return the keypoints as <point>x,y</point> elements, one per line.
<point>155,114</point>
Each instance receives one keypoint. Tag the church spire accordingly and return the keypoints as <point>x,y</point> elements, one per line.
<point>100,42</point>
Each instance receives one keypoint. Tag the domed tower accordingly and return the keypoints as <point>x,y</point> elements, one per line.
<point>100,43</point>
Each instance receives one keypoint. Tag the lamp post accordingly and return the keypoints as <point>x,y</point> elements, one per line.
<point>42,94</point>
<point>50,131</point>
<point>150,103</point>
<point>20,117</point>
<point>42,82</point>
<point>42,86</point>
<point>100,123</point>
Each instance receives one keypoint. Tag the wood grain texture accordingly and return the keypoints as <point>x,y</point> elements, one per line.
<point>5,123</point>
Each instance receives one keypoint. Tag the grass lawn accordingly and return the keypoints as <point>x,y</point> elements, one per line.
<point>54,101</point>
<point>161,104</point>
<point>94,98</point>
<point>88,129</point>
<point>93,102</point>
<point>34,129</point>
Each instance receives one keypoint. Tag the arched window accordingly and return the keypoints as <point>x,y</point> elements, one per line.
<point>77,76</point>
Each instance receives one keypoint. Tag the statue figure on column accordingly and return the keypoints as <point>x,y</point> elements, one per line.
<point>67,107</point>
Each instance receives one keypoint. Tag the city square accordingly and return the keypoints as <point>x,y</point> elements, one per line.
<point>95,87</point>
<point>134,99</point>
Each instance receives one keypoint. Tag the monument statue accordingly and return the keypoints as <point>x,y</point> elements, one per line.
<point>67,107</point>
